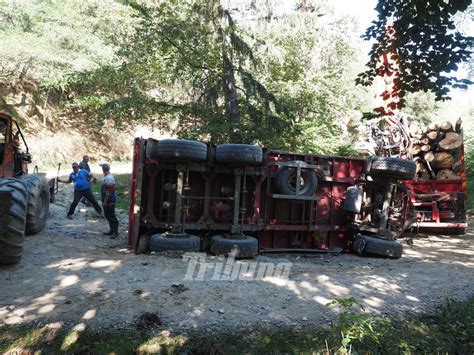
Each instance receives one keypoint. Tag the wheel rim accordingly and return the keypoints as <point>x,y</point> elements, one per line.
<point>291,181</point>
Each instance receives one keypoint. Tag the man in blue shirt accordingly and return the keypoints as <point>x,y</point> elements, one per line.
<point>82,188</point>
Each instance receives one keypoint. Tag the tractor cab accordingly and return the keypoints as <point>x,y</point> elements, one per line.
<point>13,159</point>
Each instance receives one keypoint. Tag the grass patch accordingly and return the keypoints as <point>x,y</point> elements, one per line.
<point>122,190</point>
<point>449,329</point>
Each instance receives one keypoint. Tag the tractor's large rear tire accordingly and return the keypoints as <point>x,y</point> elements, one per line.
<point>11,238</point>
<point>38,203</point>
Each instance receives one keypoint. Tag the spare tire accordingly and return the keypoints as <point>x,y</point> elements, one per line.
<point>38,203</point>
<point>391,167</point>
<point>175,242</point>
<point>366,245</point>
<point>176,149</point>
<point>285,181</point>
<point>11,239</point>
<point>242,246</point>
<point>245,154</point>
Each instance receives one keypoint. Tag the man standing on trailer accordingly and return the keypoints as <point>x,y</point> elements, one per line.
<point>82,188</point>
<point>108,201</point>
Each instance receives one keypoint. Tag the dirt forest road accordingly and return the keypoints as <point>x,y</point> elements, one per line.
<point>72,276</point>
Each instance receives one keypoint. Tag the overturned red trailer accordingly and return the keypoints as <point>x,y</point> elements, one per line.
<point>440,206</point>
<point>188,195</point>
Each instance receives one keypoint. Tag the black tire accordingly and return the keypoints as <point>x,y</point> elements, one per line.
<point>243,247</point>
<point>38,203</point>
<point>365,245</point>
<point>175,242</point>
<point>391,167</point>
<point>11,241</point>
<point>285,181</point>
<point>144,244</point>
<point>176,149</point>
<point>239,154</point>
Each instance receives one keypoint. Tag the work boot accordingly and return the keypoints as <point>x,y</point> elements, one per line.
<point>69,216</point>
<point>108,233</point>
<point>114,235</point>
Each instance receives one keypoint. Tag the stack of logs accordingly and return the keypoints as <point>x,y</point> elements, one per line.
<point>437,150</point>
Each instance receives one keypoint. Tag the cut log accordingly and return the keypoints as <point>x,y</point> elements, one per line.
<point>416,149</point>
<point>425,140</point>
<point>433,126</point>
<point>425,148</point>
<point>458,125</point>
<point>451,141</point>
<point>429,157</point>
<point>446,126</point>
<point>425,176</point>
<point>420,167</point>
<point>457,167</point>
<point>415,141</point>
<point>446,174</point>
<point>442,160</point>
<point>432,135</point>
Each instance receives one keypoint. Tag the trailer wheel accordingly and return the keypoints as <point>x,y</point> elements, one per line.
<point>11,240</point>
<point>285,181</point>
<point>144,244</point>
<point>38,203</point>
<point>242,246</point>
<point>239,154</point>
<point>391,167</point>
<point>176,149</point>
<point>365,245</point>
<point>175,242</point>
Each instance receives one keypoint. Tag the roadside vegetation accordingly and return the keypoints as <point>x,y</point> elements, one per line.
<point>122,190</point>
<point>448,329</point>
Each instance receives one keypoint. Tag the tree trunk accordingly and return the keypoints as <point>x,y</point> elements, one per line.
<point>230,90</point>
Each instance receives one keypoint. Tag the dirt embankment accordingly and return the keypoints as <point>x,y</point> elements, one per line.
<point>71,275</point>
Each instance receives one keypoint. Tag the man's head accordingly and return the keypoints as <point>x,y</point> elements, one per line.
<point>105,168</point>
<point>85,158</point>
<point>75,167</point>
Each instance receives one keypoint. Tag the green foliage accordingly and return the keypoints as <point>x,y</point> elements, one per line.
<point>122,190</point>
<point>49,40</point>
<point>421,37</point>
<point>357,327</point>
<point>421,107</point>
<point>447,330</point>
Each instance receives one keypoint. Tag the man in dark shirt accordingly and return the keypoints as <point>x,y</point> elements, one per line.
<point>82,188</point>
<point>84,164</point>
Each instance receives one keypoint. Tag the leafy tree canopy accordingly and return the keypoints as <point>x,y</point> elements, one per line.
<point>421,39</point>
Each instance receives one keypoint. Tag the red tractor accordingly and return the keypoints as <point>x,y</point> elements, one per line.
<point>24,198</point>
